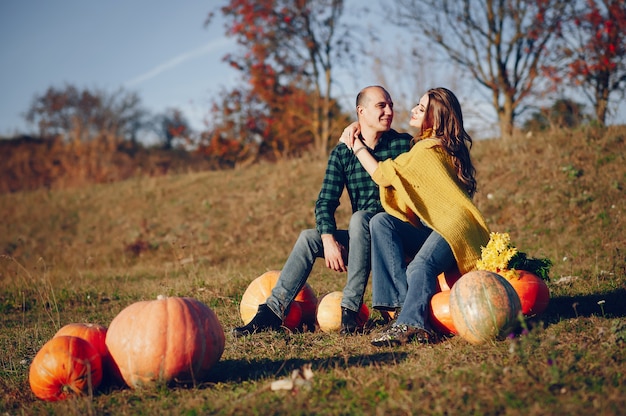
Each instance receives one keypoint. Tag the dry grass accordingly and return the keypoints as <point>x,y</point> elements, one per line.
<point>82,255</point>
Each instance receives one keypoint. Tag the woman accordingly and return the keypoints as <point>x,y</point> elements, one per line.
<point>426,194</point>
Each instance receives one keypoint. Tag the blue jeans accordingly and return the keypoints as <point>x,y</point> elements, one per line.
<point>309,247</point>
<point>398,285</point>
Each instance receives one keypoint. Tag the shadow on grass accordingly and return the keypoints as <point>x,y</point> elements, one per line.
<point>238,370</point>
<point>609,305</point>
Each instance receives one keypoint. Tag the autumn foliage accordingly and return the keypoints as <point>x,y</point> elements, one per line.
<point>594,48</point>
<point>285,59</point>
<point>284,106</point>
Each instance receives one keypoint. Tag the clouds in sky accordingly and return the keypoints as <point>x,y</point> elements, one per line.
<point>177,60</point>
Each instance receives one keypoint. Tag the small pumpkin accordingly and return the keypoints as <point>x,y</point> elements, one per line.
<point>65,366</point>
<point>293,319</point>
<point>96,335</point>
<point>329,312</point>
<point>484,306</point>
<point>447,279</point>
<point>440,317</point>
<point>533,292</point>
<point>260,289</point>
<point>168,340</point>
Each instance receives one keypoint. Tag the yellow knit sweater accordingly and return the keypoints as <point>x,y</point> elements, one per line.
<point>423,181</point>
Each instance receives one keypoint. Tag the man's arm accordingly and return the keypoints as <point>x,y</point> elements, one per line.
<point>327,202</point>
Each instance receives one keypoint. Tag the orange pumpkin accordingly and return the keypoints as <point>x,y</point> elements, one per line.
<point>65,366</point>
<point>329,312</point>
<point>533,292</point>
<point>261,288</point>
<point>293,319</point>
<point>387,315</point>
<point>484,306</point>
<point>96,335</point>
<point>440,317</point>
<point>447,279</point>
<point>168,340</point>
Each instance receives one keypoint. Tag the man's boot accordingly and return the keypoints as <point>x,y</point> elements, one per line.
<point>349,324</point>
<point>264,320</point>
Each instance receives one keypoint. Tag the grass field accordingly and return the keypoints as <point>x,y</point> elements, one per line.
<point>82,255</point>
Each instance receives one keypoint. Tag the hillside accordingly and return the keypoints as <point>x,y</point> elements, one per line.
<point>559,195</point>
<point>84,254</point>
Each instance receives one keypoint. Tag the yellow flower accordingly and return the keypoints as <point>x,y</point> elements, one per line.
<point>496,255</point>
<point>500,256</point>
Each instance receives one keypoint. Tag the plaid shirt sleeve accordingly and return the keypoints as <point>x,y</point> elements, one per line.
<point>332,187</point>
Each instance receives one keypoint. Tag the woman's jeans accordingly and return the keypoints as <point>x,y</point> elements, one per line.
<point>398,285</point>
<point>309,247</point>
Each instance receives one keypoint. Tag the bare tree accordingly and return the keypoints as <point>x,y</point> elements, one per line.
<point>501,43</point>
<point>172,128</point>
<point>83,115</point>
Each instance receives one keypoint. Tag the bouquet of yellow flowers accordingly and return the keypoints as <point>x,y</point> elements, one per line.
<point>501,257</point>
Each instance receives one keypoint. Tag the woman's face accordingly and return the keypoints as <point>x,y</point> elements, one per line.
<point>419,112</point>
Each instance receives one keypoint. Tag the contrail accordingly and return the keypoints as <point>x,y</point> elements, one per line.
<point>209,47</point>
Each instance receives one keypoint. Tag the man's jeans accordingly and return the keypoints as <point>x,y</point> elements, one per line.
<point>309,247</point>
<point>398,285</point>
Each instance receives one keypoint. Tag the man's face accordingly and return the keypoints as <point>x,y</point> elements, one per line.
<point>376,112</point>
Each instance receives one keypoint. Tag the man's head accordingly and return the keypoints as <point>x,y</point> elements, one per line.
<point>374,109</point>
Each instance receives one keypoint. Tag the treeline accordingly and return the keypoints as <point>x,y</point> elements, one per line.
<point>87,136</point>
<point>523,55</point>
<point>30,163</point>
<point>77,159</point>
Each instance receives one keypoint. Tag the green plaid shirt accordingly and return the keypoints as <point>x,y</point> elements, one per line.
<point>345,171</point>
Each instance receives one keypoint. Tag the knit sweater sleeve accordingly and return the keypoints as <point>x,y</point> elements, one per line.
<point>424,182</point>
<point>400,179</point>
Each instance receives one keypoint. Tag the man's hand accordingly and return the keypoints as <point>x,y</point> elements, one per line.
<point>334,253</point>
<point>350,134</point>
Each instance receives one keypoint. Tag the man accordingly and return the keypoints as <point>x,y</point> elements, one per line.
<point>374,109</point>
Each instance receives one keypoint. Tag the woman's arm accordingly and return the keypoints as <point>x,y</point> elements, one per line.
<point>362,152</point>
<point>350,138</point>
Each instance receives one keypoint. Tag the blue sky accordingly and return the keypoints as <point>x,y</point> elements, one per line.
<point>159,49</point>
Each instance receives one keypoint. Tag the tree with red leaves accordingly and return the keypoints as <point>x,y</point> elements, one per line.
<point>593,46</point>
<point>288,49</point>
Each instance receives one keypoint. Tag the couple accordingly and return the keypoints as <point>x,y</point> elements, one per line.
<point>428,215</point>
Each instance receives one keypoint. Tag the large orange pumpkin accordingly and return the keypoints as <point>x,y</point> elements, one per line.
<point>440,317</point>
<point>96,335</point>
<point>533,292</point>
<point>329,312</point>
<point>261,288</point>
<point>484,306</point>
<point>65,366</point>
<point>168,340</point>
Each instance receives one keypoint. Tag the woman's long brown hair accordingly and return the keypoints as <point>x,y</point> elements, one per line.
<point>444,116</point>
